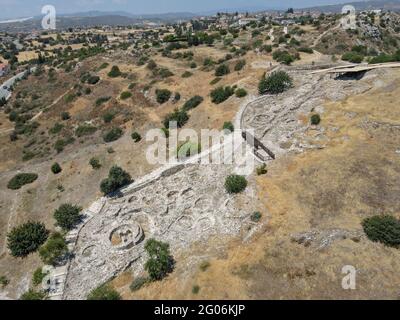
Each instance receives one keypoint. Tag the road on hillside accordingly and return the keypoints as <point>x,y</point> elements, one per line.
<point>5,91</point>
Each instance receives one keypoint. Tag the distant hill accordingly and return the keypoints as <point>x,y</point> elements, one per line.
<point>393,5</point>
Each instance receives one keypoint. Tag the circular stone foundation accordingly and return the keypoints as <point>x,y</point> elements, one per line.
<point>126,236</point>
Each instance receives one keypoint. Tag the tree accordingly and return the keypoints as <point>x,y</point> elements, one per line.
<point>240,93</point>
<point>67,216</point>
<point>54,249</point>
<point>178,116</point>
<point>228,126</point>
<point>276,82</point>
<point>26,238</point>
<point>160,261</point>
<point>113,135</point>
<point>95,163</point>
<point>38,276</point>
<point>221,94</point>
<point>136,137</point>
<point>56,168</point>
<point>21,179</point>
<point>235,184</point>
<point>315,119</point>
<point>384,229</point>
<point>192,103</point>
<point>163,95</point>
<point>222,70</point>
<point>104,292</point>
<point>117,178</point>
<point>114,72</point>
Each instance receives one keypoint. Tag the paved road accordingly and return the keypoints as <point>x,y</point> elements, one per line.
<point>4,89</point>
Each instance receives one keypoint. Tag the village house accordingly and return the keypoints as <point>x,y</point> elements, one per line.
<point>4,68</point>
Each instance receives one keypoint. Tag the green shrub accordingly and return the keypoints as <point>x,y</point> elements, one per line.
<point>178,116</point>
<point>61,143</point>
<point>196,289</point>
<point>95,163</point>
<point>4,281</point>
<point>125,95</point>
<point>222,70</point>
<point>315,119</point>
<point>160,261</point>
<point>26,238</point>
<point>283,57</point>
<point>104,65</point>
<point>240,93</point>
<point>151,65</point>
<point>193,65</point>
<point>113,135</point>
<point>221,94</point>
<point>117,178</point>
<point>93,80</point>
<point>240,65</point>
<point>56,128</point>
<point>192,103</point>
<point>115,72</point>
<point>163,95</point>
<point>186,74</point>
<point>261,170</point>
<point>228,126</point>
<point>38,277</point>
<point>69,97</point>
<point>108,116</point>
<point>56,168</point>
<point>102,100</point>
<point>104,292</point>
<point>85,130</point>
<point>54,250</point>
<point>256,217</point>
<point>276,82</point>
<point>65,116</point>
<point>67,216</point>
<point>215,81</point>
<point>138,283</point>
<point>306,50</point>
<point>136,137</point>
<point>353,57</point>
<point>384,229</point>
<point>204,266</point>
<point>21,179</point>
<point>235,184</point>
<point>33,295</point>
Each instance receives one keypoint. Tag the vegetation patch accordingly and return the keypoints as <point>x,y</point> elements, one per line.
<point>235,184</point>
<point>117,178</point>
<point>276,82</point>
<point>104,292</point>
<point>26,238</point>
<point>221,94</point>
<point>67,216</point>
<point>54,250</point>
<point>21,179</point>
<point>384,229</point>
<point>160,262</point>
<point>113,135</point>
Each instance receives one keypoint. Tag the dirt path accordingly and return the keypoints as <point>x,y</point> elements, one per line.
<point>53,104</point>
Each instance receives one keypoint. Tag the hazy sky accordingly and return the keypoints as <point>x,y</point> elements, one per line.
<point>24,8</point>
